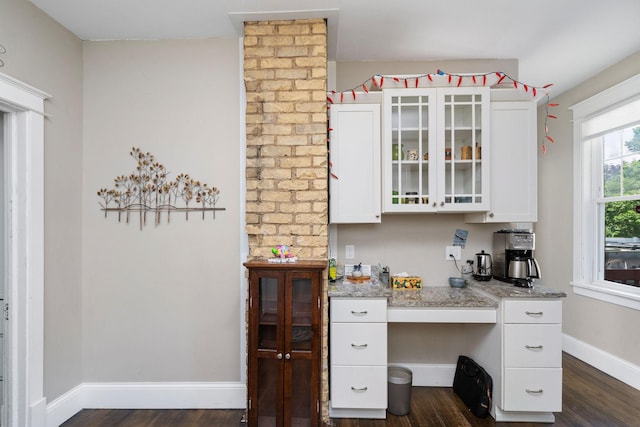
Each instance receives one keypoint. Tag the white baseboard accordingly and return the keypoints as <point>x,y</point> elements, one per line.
<point>38,413</point>
<point>608,363</point>
<point>146,396</point>
<point>430,375</point>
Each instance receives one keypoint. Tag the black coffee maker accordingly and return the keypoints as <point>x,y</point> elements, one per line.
<point>513,259</point>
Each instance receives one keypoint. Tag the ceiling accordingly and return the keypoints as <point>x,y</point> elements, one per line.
<point>555,41</point>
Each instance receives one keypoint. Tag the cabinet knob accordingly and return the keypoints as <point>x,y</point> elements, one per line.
<point>287,356</point>
<point>279,356</point>
<point>434,204</point>
<point>491,215</point>
<point>359,346</point>
<point>441,203</point>
<point>359,388</point>
<point>538,391</point>
<point>534,313</point>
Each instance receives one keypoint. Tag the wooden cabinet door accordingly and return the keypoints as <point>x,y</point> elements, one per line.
<point>301,348</point>
<point>284,346</point>
<point>265,342</point>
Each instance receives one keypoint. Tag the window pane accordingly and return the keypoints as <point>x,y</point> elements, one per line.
<point>621,167</point>
<point>612,173</point>
<point>622,242</point>
<point>621,177</point>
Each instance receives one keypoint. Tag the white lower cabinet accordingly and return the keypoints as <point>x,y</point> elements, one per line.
<point>358,357</point>
<point>532,356</point>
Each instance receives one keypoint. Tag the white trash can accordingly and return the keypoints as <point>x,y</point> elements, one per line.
<point>399,388</point>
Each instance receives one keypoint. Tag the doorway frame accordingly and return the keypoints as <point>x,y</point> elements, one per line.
<point>23,108</point>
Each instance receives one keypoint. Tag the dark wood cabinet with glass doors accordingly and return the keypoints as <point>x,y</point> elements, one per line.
<point>284,343</point>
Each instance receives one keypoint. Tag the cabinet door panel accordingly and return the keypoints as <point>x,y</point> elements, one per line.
<point>358,343</point>
<point>355,157</point>
<point>300,405</point>
<point>269,388</point>
<point>533,389</point>
<point>359,387</point>
<point>534,346</point>
<point>514,179</point>
<point>270,315</point>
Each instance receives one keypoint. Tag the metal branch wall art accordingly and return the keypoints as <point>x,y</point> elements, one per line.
<point>147,191</point>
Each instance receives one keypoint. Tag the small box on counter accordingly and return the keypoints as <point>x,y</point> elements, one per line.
<point>409,282</point>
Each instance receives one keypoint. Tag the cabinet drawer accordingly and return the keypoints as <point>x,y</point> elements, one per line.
<point>358,310</point>
<point>533,311</point>
<point>359,387</point>
<point>533,346</point>
<point>358,343</point>
<point>532,390</point>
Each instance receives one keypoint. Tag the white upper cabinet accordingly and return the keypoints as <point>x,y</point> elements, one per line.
<point>436,150</point>
<point>354,145</point>
<point>514,180</point>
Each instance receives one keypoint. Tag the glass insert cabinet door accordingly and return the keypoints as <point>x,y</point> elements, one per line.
<point>412,136</point>
<point>284,348</point>
<point>463,132</point>
<point>433,149</point>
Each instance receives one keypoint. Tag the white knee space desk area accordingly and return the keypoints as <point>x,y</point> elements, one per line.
<point>514,333</point>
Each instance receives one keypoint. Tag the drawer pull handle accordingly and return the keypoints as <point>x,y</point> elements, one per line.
<point>359,346</point>
<point>359,313</point>
<point>359,388</point>
<point>538,391</point>
<point>534,313</point>
<point>534,347</point>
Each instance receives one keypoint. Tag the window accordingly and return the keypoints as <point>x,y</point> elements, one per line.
<point>607,195</point>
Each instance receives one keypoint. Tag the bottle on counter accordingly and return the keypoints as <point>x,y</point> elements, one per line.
<point>333,269</point>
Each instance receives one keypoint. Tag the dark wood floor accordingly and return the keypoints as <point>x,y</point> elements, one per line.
<point>590,399</point>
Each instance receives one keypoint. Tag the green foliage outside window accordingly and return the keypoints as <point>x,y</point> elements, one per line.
<point>621,218</point>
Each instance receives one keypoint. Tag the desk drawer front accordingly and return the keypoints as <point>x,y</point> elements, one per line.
<point>358,343</point>
<point>533,390</point>
<point>359,310</point>
<point>533,346</point>
<point>533,311</point>
<point>359,387</point>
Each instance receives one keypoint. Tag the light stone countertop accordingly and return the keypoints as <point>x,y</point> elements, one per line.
<point>475,295</point>
<point>499,289</point>
<point>441,297</point>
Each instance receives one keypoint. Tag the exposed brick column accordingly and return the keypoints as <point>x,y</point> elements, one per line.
<point>285,73</point>
<point>287,196</point>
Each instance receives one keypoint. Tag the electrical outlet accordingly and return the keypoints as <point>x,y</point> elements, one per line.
<point>456,251</point>
<point>349,252</point>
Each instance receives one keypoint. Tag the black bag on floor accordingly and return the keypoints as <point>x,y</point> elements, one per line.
<point>474,386</point>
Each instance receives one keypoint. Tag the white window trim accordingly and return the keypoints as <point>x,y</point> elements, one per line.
<point>584,214</point>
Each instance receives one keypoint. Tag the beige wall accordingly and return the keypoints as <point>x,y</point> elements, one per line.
<point>43,54</point>
<point>162,303</point>
<point>606,326</point>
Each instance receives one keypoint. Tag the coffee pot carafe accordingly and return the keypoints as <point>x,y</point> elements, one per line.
<point>524,268</point>
<point>483,266</point>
